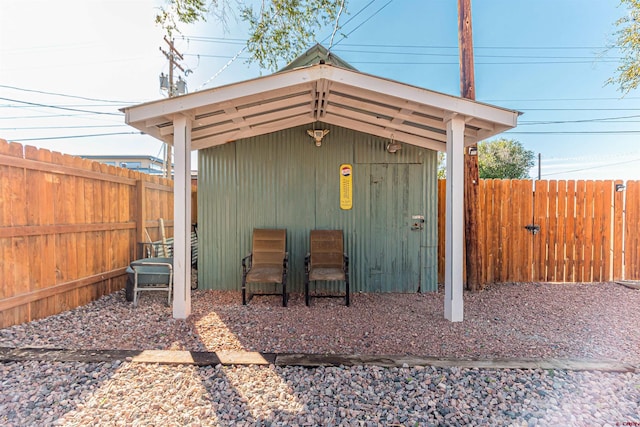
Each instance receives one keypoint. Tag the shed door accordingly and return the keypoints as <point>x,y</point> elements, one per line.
<point>394,253</point>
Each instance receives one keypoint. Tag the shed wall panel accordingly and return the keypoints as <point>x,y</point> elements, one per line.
<point>217,213</point>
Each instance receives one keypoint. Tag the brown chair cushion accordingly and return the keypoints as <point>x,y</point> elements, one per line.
<point>326,274</point>
<point>265,273</point>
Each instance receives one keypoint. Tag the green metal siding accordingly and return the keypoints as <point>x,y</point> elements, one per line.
<point>282,180</point>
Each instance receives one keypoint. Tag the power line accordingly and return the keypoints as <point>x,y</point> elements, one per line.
<point>63,127</point>
<point>77,136</point>
<point>590,132</point>
<point>578,121</point>
<point>63,105</point>
<point>592,157</point>
<point>583,109</point>
<point>411,46</point>
<point>560,99</point>
<point>352,18</point>
<point>61,108</point>
<point>65,95</point>
<point>418,46</point>
<point>378,52</point>
<point>42,116</point>
<point>591,167</point>
<point>482,63</point>
<point>567,59</point>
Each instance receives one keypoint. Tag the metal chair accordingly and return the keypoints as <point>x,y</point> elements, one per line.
<point>267,263</point>
<point>326,261</point>
<point>149,274</point>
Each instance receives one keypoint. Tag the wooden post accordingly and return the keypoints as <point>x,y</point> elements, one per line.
<point>453,302</point>
<point>467,90</point>
<point>182,218</point>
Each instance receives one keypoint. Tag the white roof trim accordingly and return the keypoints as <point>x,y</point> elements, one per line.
<point>323,93</point>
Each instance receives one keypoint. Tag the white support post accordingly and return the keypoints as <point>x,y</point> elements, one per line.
<point>454,227</point>
<point>182,218</point>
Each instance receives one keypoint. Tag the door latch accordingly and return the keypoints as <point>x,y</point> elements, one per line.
<point>418,223</point>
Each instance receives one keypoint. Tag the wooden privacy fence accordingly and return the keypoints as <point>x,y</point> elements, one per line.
<point>69,227</point>
<point>557,231</point>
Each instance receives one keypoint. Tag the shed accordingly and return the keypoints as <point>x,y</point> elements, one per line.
<point>258,167</point>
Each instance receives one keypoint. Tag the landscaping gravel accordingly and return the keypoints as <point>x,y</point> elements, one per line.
<point>585,321</point>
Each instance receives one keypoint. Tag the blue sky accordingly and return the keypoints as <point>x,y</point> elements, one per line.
<point>546,58</point>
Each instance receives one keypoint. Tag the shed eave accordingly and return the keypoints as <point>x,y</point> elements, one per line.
<point>320,93</point>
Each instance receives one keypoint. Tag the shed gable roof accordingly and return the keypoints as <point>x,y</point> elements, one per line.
<point>325,93</point>
<point>317,54</point>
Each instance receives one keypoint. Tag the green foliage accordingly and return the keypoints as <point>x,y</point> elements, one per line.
<point>285,28</point>
<point>181,11</point>
<point>278,30</point>
<point>442,171</point>
<point>628,41</point>
<point>504,159</point>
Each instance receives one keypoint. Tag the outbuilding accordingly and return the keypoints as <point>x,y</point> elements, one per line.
<point>275,151</point>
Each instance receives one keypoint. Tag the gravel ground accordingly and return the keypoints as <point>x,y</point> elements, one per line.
<point>588,321</point>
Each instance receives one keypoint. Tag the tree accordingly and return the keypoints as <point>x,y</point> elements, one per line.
<point>504,159</point>
<point>278,30</point>
<point>628,41</point>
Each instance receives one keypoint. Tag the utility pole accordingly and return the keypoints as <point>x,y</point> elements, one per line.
<point>468,90</point>
<point>172,55</point>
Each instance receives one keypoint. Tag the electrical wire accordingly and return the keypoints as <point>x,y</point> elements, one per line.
<point>65,95</point>
<point>604,119</point>
<point>579,132</point>
<point>481,63</point>
<point>378,52</point>
<point>62,108</point>
<point>352,18</point>
<point>412,46</point>
<point>64,127</point>
<point>591,167</point>
<point>76,136</point>
<point>41,116</point>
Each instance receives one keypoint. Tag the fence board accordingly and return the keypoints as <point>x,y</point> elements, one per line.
<point>603,237</point>
<point>580,231</point>
<point>486,219</point>
<point>540,213</point>
<point>618,232</point>
<point>516,243</point>
<point>552,231</point>
<point>632,236</point>
<point>526,188</point>
<point>588,228</point>
<point>570,232</point>
<point>561,246</point>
